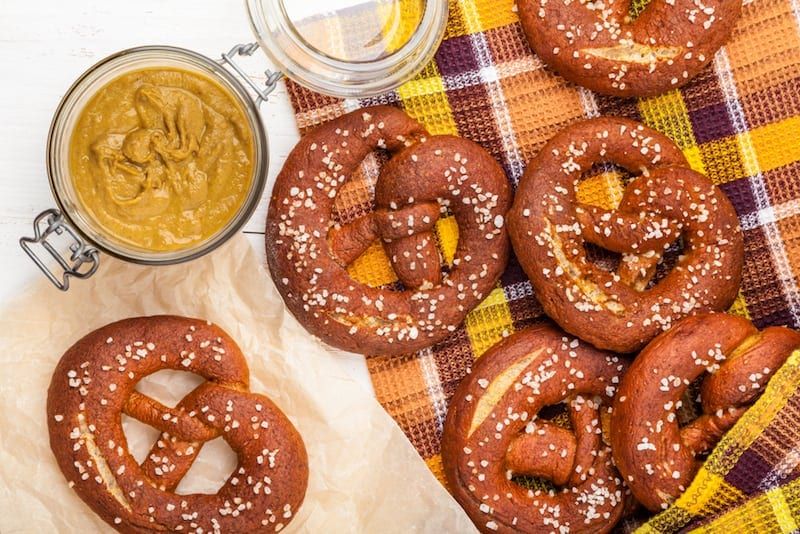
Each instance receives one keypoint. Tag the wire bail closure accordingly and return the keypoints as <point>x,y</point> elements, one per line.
<point>51,222</point>
<point>272,80</point>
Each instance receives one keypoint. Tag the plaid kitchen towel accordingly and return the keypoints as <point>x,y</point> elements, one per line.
<point>750,482</point>
<point>738,123</point>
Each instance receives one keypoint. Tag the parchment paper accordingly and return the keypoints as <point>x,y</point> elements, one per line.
<point>364,475</point>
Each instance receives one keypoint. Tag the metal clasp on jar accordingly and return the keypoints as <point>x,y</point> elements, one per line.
<point>81,263</point>
<point>262,93</point>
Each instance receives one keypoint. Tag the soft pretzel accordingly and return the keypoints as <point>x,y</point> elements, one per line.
<point>494,432</point>
<point>93,385</point>
<point>597,45</point>
<point>308,252</point>
<point>623,310</point>
<point>659,458</point>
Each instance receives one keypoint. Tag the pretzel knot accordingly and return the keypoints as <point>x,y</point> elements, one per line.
<point>658,457</point>
<point>93,385</point>
<point>308,251</point>
<point>667,202</point>
<point>597,45</point>
<point>494,433</point>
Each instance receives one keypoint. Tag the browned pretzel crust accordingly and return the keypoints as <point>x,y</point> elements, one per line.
<point>308,253</point>
<point>493,431</point>
<point>622,311</point>
<point>597,45</point>
<point>657,457</point>
<point>93,385</point>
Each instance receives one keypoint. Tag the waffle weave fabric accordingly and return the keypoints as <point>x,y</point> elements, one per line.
<point>750,481</point>
<point>738,123</point>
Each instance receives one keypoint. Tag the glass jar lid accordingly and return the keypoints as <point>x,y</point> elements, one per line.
<point>349,48</point>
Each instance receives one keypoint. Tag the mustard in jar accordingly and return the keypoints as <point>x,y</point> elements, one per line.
<point>162,158</point>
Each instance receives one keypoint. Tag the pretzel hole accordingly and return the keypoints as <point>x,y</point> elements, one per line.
<point>556,414</point>
<point>603,185</point>
<point>140,437</point>
<point>534,483</point>
<point>168,386</point>
<point>636,8</point>
<point>602,258</point>
<point>669,259</point>
<point>212,467</point>
<point>691,403</point>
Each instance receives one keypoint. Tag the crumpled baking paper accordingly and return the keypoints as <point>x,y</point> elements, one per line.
<point>364,475</point>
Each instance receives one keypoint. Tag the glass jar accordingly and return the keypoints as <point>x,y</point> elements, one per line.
<point>72,218</point>
<point>351,48</point>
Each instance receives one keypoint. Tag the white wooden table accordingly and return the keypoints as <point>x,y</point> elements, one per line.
<point>46,44</point>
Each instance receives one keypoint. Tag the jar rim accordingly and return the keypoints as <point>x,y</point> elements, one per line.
<point>326,74</point>
<point>89,82</point>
